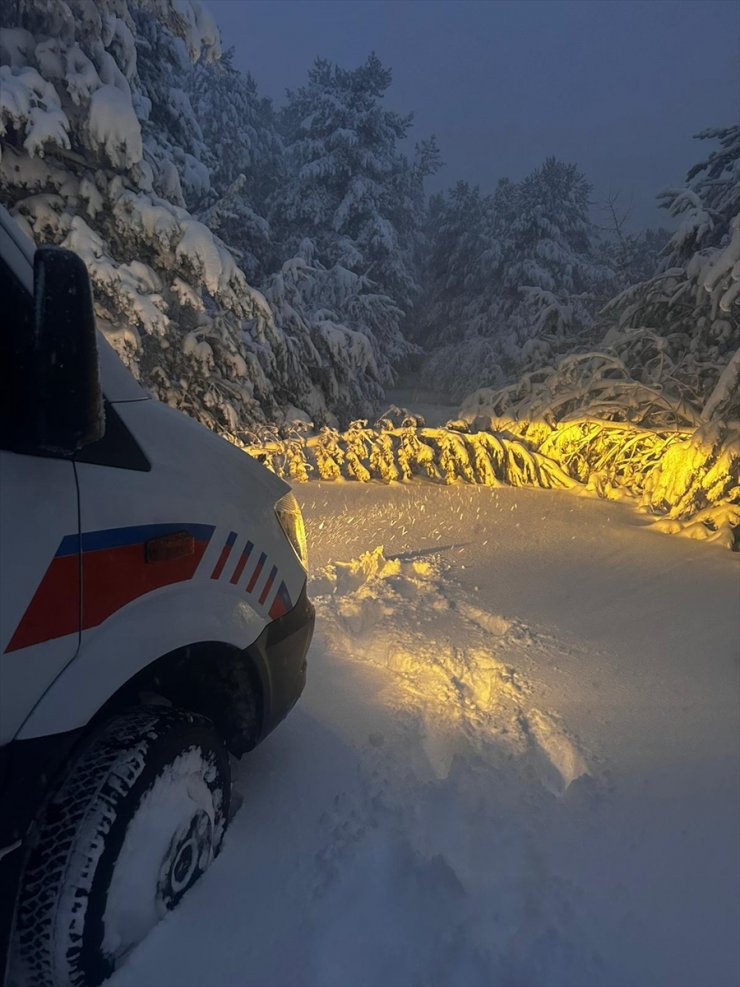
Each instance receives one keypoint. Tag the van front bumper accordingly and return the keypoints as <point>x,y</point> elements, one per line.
<point>280,654</point>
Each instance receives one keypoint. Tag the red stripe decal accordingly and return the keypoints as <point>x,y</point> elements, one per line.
<point>113,571</point>
<point>268,585</point>
<point>282,602</point>
<point>113,577</point>
<point>246,552</point>
<point>54,610</point>
<point>256,574</point>
<point>225,553</point>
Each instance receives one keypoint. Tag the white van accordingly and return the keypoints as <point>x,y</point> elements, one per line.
<point>153,620</point>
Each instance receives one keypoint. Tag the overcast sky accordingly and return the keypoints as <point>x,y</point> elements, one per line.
<point>617,86</point>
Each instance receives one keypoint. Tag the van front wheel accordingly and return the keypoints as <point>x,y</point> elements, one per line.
<point>138,818</point>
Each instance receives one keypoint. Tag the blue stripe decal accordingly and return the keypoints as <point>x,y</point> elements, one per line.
<point>69,545</point>
<point>95,541</point>
<point>231,539</point>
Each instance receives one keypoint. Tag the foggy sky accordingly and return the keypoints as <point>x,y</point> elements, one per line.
<point>617,86</point>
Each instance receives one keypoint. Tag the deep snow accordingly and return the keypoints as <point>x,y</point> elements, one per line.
<point>515,762</point>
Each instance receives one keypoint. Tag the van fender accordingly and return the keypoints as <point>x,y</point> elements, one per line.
<point>154,625</point>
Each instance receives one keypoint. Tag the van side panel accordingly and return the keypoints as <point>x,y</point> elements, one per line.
<point>39,581</point>
<point>154,625</point>
<point>186,552</point>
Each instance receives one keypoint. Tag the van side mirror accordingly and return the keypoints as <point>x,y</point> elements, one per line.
<point>67,406</point>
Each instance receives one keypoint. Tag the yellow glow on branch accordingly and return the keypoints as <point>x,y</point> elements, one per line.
<point>691,479</point>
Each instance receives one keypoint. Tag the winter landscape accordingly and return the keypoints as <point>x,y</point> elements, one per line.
<point>511,416</point>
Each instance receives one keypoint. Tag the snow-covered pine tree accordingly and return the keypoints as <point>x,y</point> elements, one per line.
<point>670,366</point>
<point>245,158</point>
<point>320,357</point>
<point>458,311</point>
<point>671,356</point>
<point>460,270</point>
<point>680,329</point>
<point>551,281</point>
<point>511,279</point>
<point>348,193</point>
<point>89,127</point>
<point>410,212</point>
<point>170,39</point>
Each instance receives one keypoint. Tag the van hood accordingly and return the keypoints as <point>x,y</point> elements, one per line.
<point>193,457</point>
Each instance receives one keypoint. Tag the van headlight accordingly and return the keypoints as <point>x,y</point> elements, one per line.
<point>291,521</point>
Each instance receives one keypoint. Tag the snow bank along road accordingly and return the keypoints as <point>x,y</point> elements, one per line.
<point>515,763</point>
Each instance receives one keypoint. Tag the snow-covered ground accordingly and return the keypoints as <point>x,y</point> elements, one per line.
<point>515,762</point>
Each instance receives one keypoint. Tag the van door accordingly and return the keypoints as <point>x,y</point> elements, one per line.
<point>39,533</point>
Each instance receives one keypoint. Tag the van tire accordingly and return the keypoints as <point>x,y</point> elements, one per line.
<point>143,809</point>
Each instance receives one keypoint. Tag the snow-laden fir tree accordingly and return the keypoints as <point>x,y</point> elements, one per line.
<point>245,158</point>
<point>680,329</point>
<point>511,279</point>
<point>323,359</point>
<point>166,51</point>
<point>92,107</point>
<point>551,281</point>
<point>458,313</point>
<point>352,193</point>
<point>671,365</point>
<point>461,267</point>
<point>331,318</point>
<point>670,355</point>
